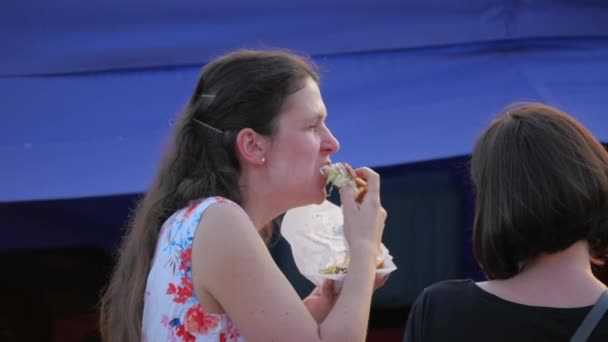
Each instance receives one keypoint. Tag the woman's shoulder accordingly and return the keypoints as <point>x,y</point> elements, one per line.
<point>190,215</point>
<point>185,222</point>
<point>221,221</point>
<point>219,210</point>
<point>199,206</point>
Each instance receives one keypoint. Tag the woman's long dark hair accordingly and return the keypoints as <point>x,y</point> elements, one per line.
<point>244,89</point>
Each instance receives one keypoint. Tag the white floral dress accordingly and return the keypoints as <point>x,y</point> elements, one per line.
<point>172,311</point>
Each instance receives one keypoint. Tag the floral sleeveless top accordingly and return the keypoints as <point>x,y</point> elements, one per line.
<point>172,311</point>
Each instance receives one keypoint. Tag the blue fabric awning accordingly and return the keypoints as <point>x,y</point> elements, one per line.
<point>87,91</point>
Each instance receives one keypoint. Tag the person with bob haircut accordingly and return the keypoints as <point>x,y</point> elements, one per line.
<point>541,218</point>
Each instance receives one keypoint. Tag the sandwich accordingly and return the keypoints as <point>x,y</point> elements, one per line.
<point>341,174</point>
<point>337,269</point>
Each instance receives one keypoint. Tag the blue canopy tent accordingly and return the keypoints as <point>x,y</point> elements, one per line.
<point>88,92</point>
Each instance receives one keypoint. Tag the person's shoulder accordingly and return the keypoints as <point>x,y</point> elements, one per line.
<point>217,202</point>
<point>450,286</point>
<point>225,232</point>
<point>448,290</point>
<point>222,213</point>
<point>223,202</point>
<point>436,306</point>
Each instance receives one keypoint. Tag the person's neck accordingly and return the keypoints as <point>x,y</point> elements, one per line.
<point>260,204</point>
<point>260,211</point>
<point>560,266</point>
<point>562,279</point>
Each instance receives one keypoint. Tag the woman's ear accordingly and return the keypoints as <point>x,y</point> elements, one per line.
<point>251,146</point>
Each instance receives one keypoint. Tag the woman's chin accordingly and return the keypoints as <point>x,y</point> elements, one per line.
<point>316,197</point>
<point>321,197</point>
<point>319,200</point>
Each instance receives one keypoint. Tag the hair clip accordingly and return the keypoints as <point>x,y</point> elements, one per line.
<point>208,97</point>
<point>208,126</point>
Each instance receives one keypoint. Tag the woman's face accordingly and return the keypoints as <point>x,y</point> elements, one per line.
<point>302,145</point>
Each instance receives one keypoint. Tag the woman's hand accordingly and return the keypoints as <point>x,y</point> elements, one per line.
<point>364,221</point>
<point>322,299</point>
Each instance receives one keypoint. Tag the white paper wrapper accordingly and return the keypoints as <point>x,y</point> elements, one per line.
<point>316,236</point>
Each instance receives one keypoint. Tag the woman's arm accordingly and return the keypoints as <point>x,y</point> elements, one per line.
<point>323,298</point>
<point>231,262</point>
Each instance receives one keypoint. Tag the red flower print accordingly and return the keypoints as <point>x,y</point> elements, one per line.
<point>185,259</point>
<point>172,289</point>
<point>233,333</point>
<point>181,292</point>
<point>223,337</point>
<point>190,209</point>
<point>197,321</point>
<point>184,334</point>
